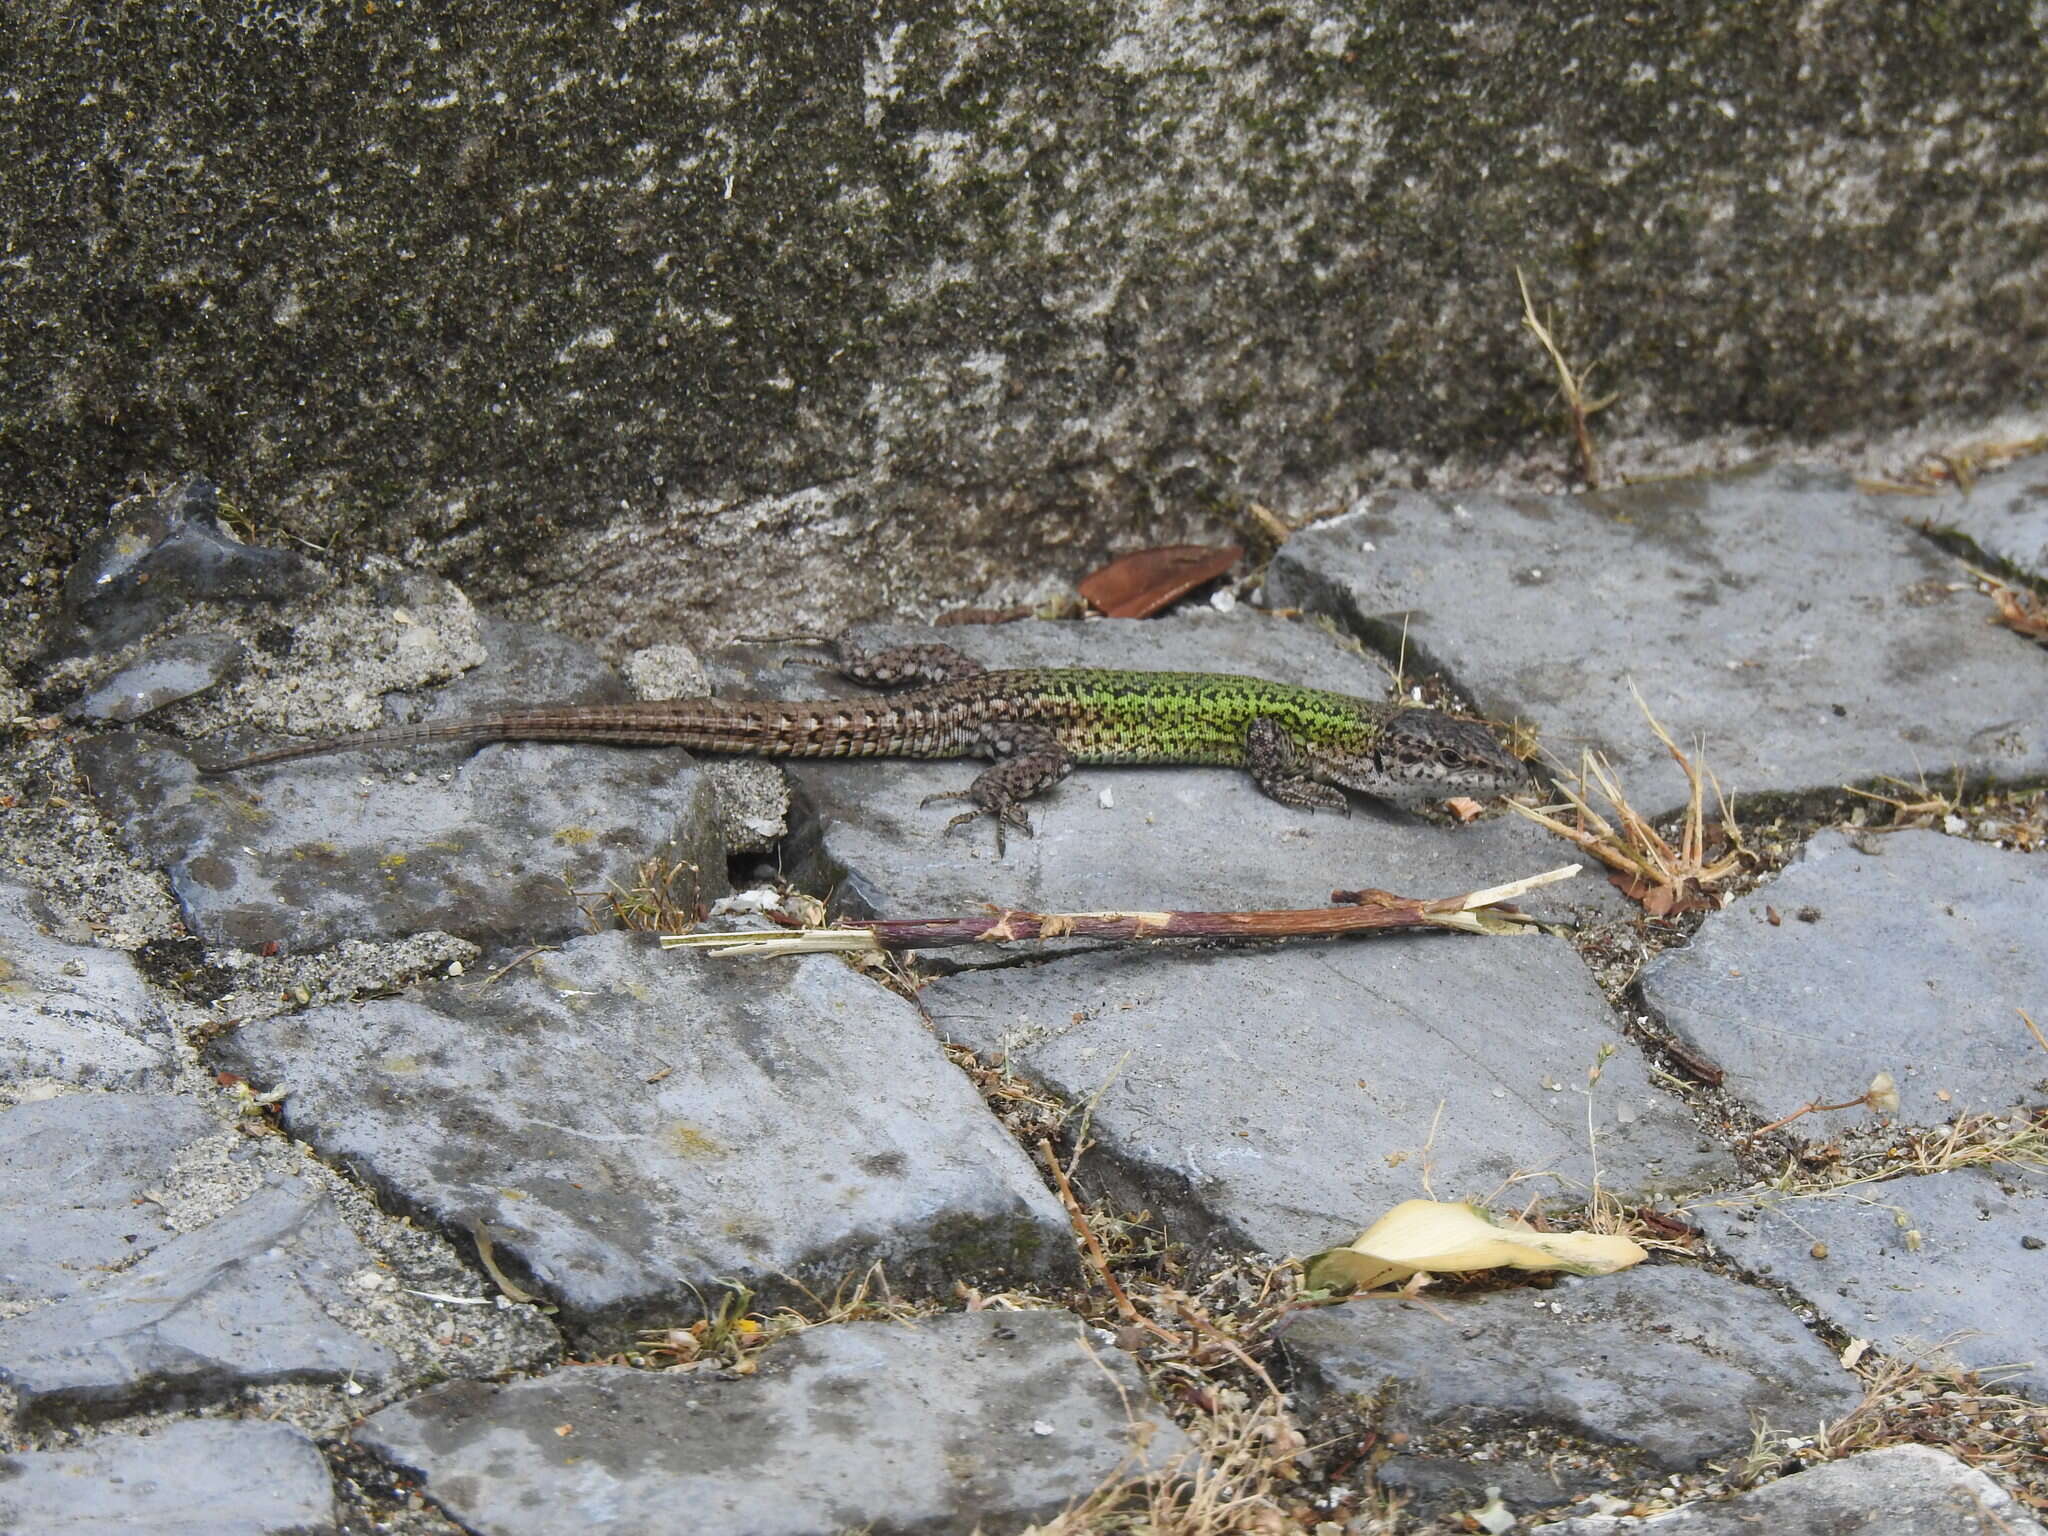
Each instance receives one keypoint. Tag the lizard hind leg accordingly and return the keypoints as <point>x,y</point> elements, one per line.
<point>896,666</point>
<point>1280,768</point>
<point>1031,759</point>
<point>904,666</point>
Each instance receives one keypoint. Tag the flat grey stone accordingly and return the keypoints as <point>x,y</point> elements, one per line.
<point>1128,837</point>
<point>205,1477</point>
<point>2005,515</point>
<point>172,669</point>
<point>1903,1490</point>
<point>1798,624</point>
<point>1907,952</point>
<point>989,1420</point>
<point>1972,1291</point>
<point>136,1311</point>
<point>74,1012</point>
<point>235,1304</point>
<point>494,849</point>
<point>159,555</point>
<point>73,1172</point>
<point>524,663</point>
<point>1670,1365</point>
<point>632,1125</point>
<point>1290,1095</point>
<point>502,846</point>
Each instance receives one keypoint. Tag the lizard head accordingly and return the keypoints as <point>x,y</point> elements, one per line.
<point>1423,755</point>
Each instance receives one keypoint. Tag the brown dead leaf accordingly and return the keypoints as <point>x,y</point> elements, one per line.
<point>1634,887</point>
<point>1672,1228</point>
<point>1464,807</point>
<point>2021,611</point>
<point>1140,584</point>
<point>1660,900</point>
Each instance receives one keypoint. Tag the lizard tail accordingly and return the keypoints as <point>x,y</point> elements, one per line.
<point>904,727</point>
<point>701,723</point>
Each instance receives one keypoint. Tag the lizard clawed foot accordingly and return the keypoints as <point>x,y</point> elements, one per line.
<point>1005,814</point>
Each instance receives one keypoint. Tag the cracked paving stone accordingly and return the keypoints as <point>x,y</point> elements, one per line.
<point>174,668</point>
<point>499,847</point>
<point>1903,1490</point>
<point>74,1013</point>
<point>130,1309</point>
<point>990,1420</point>
<point>1906,952</point>
<point>637,1128</point>
<point>1290,1095</point>
<point>2005,515</point>
<point>206,1477</point>
<point>1798,624</point>
<point>1669,1365</point>
<point>1936,1266</point>
<point>1124,838</point>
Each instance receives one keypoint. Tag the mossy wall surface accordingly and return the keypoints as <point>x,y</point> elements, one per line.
<point>676,318</point>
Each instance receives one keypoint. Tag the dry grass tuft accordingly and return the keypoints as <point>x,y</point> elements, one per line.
<point>1234,1480</point>
<point>731,1334</point>
<point>1975,1140</point>
<point>1665,876</point>
<point>1571,386</point>
<point>1916,805</point>
<point>1925,1401</point>
<point>663,897</point>
<point>2016,817</point>
<point>1959,467</point>
<point>1030,1113</point>
<point>1203,1349</point>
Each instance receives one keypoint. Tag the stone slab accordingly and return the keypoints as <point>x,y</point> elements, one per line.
<point>1671,1365</point>
<point>205,1477</point>
<point>2005,515</point>
<point>1908,952</point>
<point>1128,837</point>
<point>1796,623</point>
<point>134,1310</point>
<point>161,554</point>
<point>631,1125</point>
<point>73,1176</point>
<point>495,849</point>
<point>73,1012</point>
<point>1903,1490</point>
<point>1974,1290</point>
<point>983,1420</point>
<point>171,669</point>
<point>1288,1096</point>
<point>501,846</point>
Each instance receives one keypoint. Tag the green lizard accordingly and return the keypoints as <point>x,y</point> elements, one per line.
<point>1303,746</point>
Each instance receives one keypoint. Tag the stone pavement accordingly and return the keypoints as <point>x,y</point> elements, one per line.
<point>396,1198</point>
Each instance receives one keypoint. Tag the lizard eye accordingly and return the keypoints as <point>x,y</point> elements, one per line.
<point>1450,757</point>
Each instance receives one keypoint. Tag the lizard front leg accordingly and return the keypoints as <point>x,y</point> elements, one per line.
<point>1281,768</point>
<point>1030,759</point>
